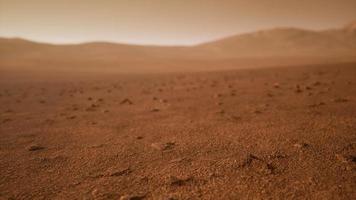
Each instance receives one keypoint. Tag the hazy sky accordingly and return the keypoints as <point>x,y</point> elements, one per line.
<point>163,21</point>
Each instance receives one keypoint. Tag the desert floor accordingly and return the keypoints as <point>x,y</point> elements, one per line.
<point>272,133</point>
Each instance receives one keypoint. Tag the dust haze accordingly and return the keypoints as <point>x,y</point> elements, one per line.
<point>264,114</point>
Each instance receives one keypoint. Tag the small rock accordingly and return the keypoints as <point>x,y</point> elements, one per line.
<point>236,118</point>
<point>94,105</point>
<point>277,155</point>
<point>317,104</point>
<point>321,104</point>
<point>301,145</point>
<point>218,95</point>
<point>118,172</point>
<point>132,197</point>
<point>220,112</point>
<point>72,117</point>
<point>316,83</point>
<point>298,89</point>
<point>175,181</point>
<point>6,120</point>
<point>49,121</point>
<point>269,94</point>
<point>8,111</point>
<point>340,100</point>
<point>90,109</point>
<point>346,159</point>
<point>248,160</point>
<point>155,110</point>
<point>163,146</point>
<point>97,146</point>
<point>219,103</point>
<point>35,148</point>
<point>95,192</point>
<point>126,101</point>
<point>257,112</point>
<point>341,158</point>
<point>177,160</point>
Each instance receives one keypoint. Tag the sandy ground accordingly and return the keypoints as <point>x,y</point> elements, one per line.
<point>276,133</point>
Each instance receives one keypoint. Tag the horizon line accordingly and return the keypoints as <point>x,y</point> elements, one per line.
<point>85,42</point>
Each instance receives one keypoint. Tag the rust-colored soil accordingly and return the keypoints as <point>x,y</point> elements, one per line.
<point>276,133</point>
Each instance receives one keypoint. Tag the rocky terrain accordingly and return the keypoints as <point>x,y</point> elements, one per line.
<point>269,133</point>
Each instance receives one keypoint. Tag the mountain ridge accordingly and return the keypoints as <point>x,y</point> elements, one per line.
<point>274,43</point>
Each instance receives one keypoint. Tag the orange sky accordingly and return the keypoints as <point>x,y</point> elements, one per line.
<point>165,22</point>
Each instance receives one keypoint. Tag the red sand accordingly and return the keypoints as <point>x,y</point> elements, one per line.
<point>273,133</point>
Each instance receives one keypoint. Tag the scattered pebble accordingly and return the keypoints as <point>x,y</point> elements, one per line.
<point>298,89</point>
<point>340,100</point>
<point>346,159</point>
<point>236,118</point>
<point>317,83</point>
<point>177,160</point>
<point>221,112</point>
<point>35,148</point>
<point>118,172</point>
<point>163,146</point>
<point>257,112</point>
<point>49,121</point>
<point>301,145</point>
<point>175,181</point>
<point>248,160</point>
<point>132,197</point>
<point>92,107</point>
<point>8,111</point>
<point>126,101</point>
<point>317,104</point>
<point>6,120</point>
<point>97,146</point>
<point>218,95</point>
<point>72,117</point>
<point>155,110</point>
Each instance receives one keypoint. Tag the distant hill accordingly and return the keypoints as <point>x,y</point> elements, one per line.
<point>351,27</point>
<point>276,44</point>
<point>287,42</point>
